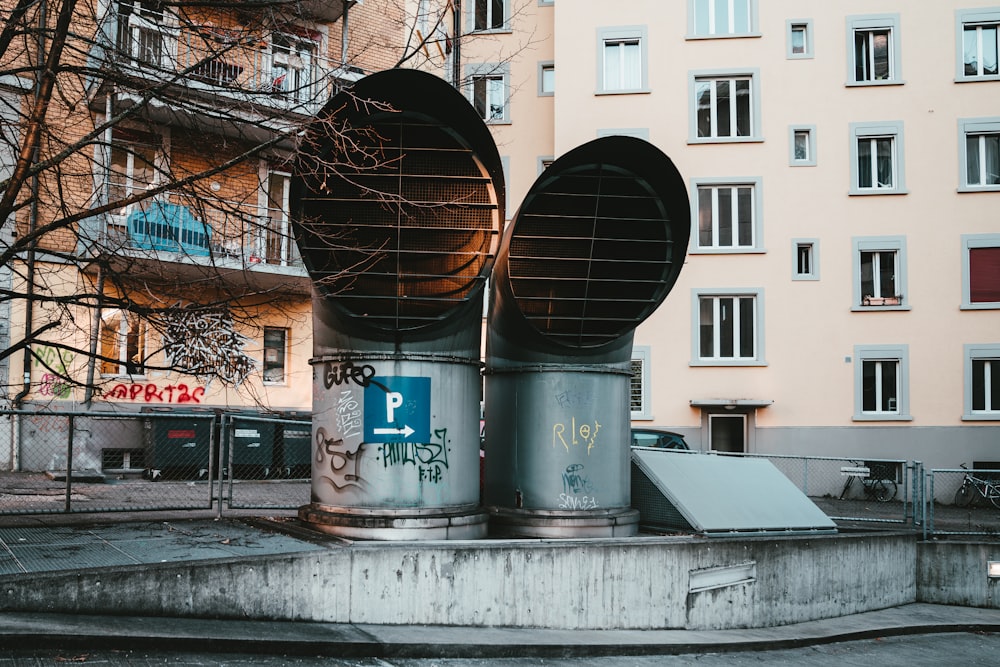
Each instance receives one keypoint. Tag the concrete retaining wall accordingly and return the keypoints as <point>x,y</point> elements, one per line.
<point>955,573</point>
<point>638,583</point>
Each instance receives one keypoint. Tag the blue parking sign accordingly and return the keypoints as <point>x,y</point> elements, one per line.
<point>398,409</point>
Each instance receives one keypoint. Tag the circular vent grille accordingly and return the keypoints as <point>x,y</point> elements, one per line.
<point>406,235</point>
<point>590,255</point>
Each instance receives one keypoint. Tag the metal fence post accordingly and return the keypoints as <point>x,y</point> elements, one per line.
<point>929,505</point>
<point>69,466</point>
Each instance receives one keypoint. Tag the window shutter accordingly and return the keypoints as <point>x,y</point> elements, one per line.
<point>984,275</point>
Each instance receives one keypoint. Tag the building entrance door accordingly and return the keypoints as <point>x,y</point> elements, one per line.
<point>727,432</point>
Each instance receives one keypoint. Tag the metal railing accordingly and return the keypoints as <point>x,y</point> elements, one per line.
<point>961,501</point>
<point>226,231</point>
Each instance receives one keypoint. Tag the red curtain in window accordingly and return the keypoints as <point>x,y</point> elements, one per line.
<point>984,275</point>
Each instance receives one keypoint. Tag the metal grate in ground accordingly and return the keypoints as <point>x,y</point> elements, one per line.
<point>25,550</point>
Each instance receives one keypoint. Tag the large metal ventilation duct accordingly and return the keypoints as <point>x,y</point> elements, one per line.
<point>398,206</point>
<point>596,246</point>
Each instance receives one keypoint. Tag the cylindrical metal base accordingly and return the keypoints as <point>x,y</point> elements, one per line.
<point>397,524</point>
<point>596,523</point>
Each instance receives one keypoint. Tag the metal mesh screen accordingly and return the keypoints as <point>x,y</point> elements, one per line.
<point>589,255</point>
<point>405,237</point>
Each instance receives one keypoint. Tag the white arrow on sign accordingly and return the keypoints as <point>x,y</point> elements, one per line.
<point>406,431</point>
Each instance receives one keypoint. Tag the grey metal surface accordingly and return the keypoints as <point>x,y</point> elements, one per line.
<point>31,549</point>
<point>722,495</point>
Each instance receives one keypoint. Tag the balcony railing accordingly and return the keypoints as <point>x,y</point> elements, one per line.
<point>229,233</point>
<point>284,72</point>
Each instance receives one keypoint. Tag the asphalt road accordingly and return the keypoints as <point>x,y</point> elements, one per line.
<point>967,649</point>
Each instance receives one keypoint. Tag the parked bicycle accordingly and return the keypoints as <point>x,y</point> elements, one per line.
<point>973,488</point>
<point>877,480</point>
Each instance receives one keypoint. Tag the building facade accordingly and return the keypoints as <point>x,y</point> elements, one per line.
<point>841,293</point>
<point>162,273</point>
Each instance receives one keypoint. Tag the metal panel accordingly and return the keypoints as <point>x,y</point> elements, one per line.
<point>719,495</point>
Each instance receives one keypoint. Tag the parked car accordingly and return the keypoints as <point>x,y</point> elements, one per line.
<point>659,438</point>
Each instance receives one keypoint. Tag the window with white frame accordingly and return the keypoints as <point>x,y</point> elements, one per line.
<point>802,146</point>
<point>978,34</point>
<point>881,381</point>
<point>274,245</point>
<point>132,167</point>
<point>294,64</point>
<point>275,347</point>
<point>727,215</point>
<point>544,163</point>
<point>982,381</point>
<point>638,393</point>
<point>874,45</point>
<point>877,165</point>
<point>980,271</point>
<point>728,327</point>
<point>621,60</point>
<point>799,38</point>
<point>123,344</point>
<point>805,258</point>
<point>489,14</point>
<point>546,78</point>
<point>979,154</point>
<point>145,32</point>
<point>724,107</point>
<point>722,18</point>
<point>880,273</point>
<point>488,90</point>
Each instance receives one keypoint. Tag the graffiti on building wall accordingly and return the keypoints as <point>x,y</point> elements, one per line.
<point>348,414</point>
<point>54,386</point>
<point>46,356</point>
<point>205,343</point>
<point>150,392</point>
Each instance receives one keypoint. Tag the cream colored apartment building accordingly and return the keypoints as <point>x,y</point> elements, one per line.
<point>841,294</point>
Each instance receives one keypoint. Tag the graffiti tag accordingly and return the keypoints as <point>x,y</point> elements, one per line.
<point>348,414</point>
<point>430,458</point>
<point>52,357</point>
<point>205,343</point>
<point>151,393</point>
<point>578,433</point>
<point>55,386</point>
<point>575,480</point>
<point>568,502</point>
<point>346,372</point>
<point>344,464</point>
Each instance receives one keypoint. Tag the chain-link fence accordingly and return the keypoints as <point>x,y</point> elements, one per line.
<point>266,462</point>
<point>61,462</point>
<point>102,462</point>
<point>853,490</point>
<point>961,501</point>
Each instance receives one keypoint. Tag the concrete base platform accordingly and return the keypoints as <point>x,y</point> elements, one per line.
<point>396,524</point>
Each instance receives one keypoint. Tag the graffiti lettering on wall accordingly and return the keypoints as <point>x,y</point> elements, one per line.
<point>430,458</point>
<point>205,343</point>
<point>55,386</point>
<point>53,358</point>
<point>151,393</point>
<point>568,502</point>
<point>348,414</point>
<point>583,433</point>
<point>345,373</point>
<point>344,464</point>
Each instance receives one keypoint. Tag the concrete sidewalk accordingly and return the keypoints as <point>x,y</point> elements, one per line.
<point>31,630</point>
